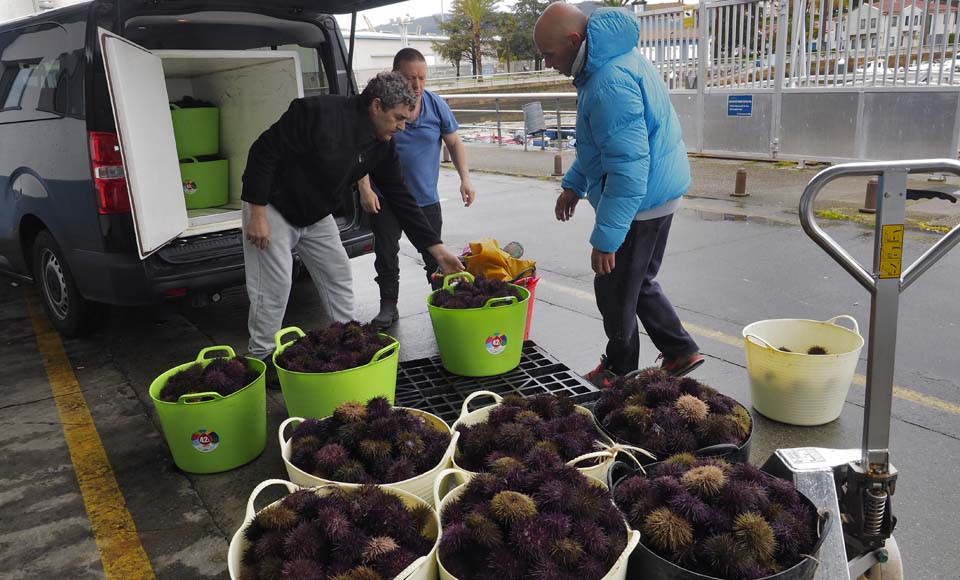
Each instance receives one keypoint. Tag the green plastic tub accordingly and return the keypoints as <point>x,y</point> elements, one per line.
<point>210,433</point>
<point>316,395</point>
<point>205,183</point>
<point>196,130</point>
<point>480,342</point>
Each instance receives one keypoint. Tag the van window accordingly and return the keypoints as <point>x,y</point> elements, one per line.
<point>40,77</point>
<point>14,83</point>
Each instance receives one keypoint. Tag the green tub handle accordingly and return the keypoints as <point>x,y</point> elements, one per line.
<point>174,107</point>
<point>207,396</point>
<point>386,351</point>
<point>251,510</point>
<point>503,299</point>
<point>278,338</point>
<point>222,348</point>
<point>283,427</point>
<point>191,159</point>
<point>461,476</point>
<point>448,280</point>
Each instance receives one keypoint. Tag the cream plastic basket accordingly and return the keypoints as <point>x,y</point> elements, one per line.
<point>795,387</point>
<point>604,456</point>
<point>420,485</point>
<point>423,568</point>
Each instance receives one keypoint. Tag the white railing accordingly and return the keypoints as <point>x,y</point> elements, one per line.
<point>816,43</point>
<point>506,78</point>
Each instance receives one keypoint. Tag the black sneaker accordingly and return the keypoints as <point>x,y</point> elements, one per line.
<point>602,376</point>
<point>270,375</point>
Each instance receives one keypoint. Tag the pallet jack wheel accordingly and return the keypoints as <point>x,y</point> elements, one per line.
<point>892,569</point>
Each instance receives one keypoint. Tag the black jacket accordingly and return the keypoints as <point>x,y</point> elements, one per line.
<point>305,162</point>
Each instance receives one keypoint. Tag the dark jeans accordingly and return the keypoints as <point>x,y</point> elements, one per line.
<point>630,292</point>
<point>386,246</point>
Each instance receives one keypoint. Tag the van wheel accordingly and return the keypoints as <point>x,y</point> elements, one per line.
<point>69,313</point>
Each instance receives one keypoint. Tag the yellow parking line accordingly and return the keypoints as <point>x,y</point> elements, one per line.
<point>121,552</point>
<point>736,341</point>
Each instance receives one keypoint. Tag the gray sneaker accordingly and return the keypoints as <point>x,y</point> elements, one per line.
<point>387,316</point>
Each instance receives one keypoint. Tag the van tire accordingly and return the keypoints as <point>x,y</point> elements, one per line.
<point>69,313</point>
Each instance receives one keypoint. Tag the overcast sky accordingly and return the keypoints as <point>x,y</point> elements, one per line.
<point>415,8</point>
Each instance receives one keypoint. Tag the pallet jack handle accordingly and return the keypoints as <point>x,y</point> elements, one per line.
<point>879,169</point>
<point>869,483</point>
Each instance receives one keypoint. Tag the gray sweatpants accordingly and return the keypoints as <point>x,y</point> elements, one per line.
<point>269,274</point>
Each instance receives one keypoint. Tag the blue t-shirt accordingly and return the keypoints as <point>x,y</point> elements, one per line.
<point>418,147</point>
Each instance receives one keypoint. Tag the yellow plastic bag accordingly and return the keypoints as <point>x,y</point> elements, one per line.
<point>488,260</point>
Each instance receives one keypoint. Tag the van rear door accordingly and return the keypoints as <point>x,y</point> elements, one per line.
<point>141,110</point>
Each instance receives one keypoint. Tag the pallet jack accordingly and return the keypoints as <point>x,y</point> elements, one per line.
<point>857,485</point>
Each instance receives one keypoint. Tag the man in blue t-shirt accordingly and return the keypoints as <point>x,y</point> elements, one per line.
<point>418,146</point>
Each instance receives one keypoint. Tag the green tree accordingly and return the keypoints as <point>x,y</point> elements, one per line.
<point>457,47</point>
<point>479,14</point>
<point>506,43</point>
<point>527,12</point>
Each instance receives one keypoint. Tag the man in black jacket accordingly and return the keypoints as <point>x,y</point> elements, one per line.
<point>297,173</point>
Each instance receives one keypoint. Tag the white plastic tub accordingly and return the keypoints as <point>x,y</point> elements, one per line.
<point>423,568</point>
<point>419,485</point>
<point>603,457</point>
<point>795,387</point>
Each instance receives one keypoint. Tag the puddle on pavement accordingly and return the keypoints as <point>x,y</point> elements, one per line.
<point>728,216</point>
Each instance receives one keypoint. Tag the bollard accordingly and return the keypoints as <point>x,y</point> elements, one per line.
<point>446,154</point>
<point>557,165</point>
<point>870,198</point>
<point>740,189</point>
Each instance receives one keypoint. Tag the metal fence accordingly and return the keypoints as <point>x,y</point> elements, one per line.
<point>505,78</point>
<point>495,119</point>
<point>811,79</point>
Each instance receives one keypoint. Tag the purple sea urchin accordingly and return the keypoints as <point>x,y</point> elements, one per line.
<point>545,423</point>
<point>339,347</point>
<point>368,444</point>
<point>567,551</point>
<point>544,533</point>
<point>222,375</point>
<point>743,522</point>
<point>668,415</point>
<point>345,532</point>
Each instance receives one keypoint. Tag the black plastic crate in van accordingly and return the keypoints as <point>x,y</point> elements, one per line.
<point>424,384</point>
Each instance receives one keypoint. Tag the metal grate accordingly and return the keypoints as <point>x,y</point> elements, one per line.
<point>424,384</point>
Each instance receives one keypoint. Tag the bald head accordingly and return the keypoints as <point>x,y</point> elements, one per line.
<point>559,32</point>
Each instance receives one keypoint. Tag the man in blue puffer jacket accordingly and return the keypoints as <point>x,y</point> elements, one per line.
<point>632,165</point>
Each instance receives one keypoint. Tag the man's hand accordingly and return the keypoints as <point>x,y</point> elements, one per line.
<point>603,262</point>
<point>448,263</point>
<point>369,200</point>
<point>258,229</point>
<point>566,204</point>
<point>467,193</point>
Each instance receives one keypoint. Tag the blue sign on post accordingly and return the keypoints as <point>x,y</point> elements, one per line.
<point>739,105</point>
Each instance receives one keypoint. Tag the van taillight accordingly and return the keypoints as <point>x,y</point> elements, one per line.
<point>109,178</point>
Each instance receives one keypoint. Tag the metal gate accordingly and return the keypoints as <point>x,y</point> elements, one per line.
<point>811,79</point>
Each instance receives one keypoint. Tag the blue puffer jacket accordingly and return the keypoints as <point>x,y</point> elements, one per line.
<point>630,154</point>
